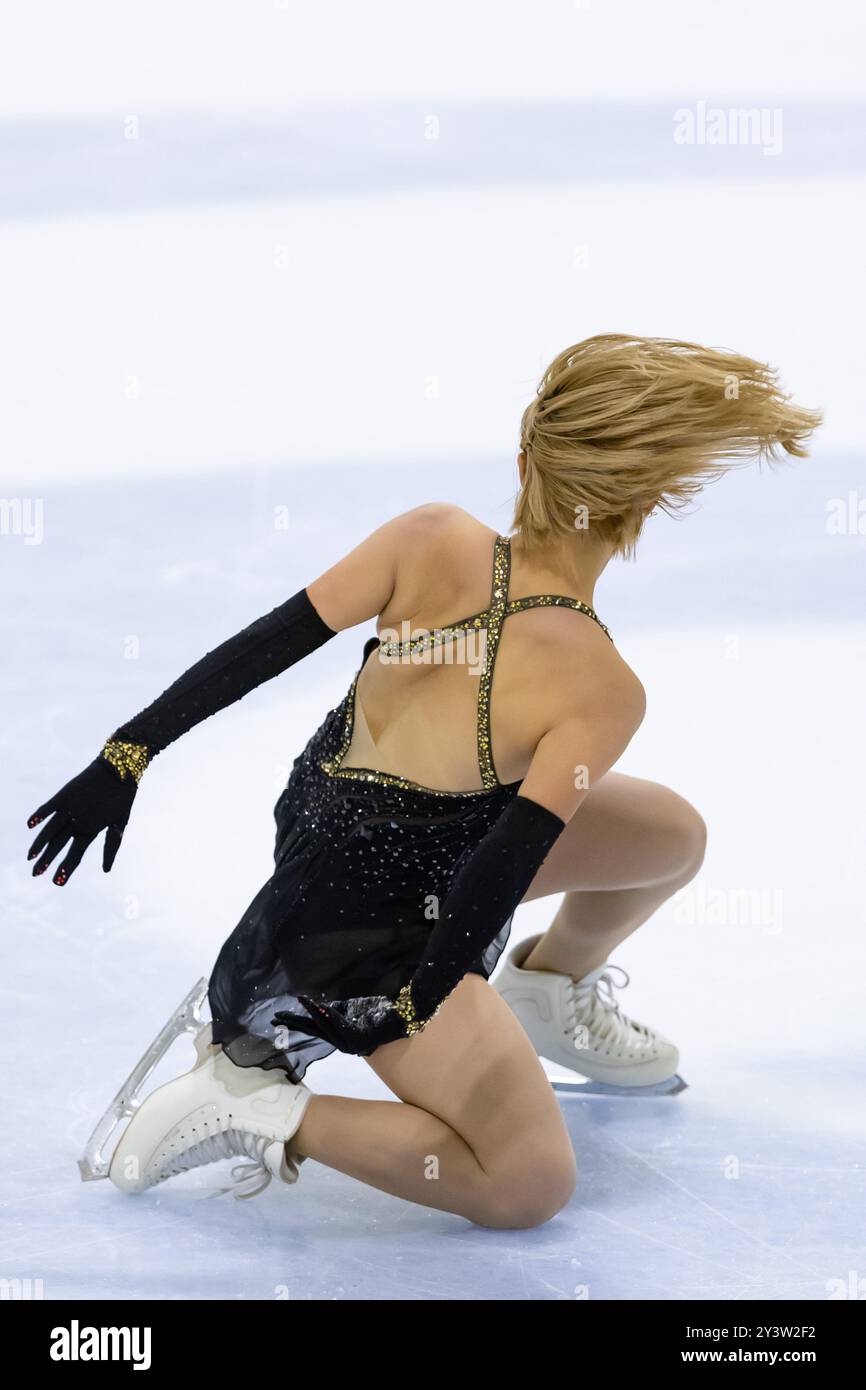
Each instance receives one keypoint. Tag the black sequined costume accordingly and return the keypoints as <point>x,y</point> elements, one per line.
<point>360,856</point>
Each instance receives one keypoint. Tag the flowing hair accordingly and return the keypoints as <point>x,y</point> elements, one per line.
<point>621,425</point>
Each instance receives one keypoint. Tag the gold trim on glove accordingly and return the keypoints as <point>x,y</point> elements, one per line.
<point>405,1007</point>
<point>127,759</point>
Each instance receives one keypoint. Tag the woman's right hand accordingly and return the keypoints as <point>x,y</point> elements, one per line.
<point>97,799</point>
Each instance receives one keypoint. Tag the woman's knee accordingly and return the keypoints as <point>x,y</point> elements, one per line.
<point>685,834</point>
<point>528,1195</point>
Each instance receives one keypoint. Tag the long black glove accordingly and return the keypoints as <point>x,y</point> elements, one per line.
<point>101,796</point>
<point>97,798</point>
<point>485,892</point>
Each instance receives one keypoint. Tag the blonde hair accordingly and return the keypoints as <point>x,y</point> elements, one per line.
<point>621,425</point>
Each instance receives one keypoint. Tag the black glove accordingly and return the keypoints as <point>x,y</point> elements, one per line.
<point>99,798</point>
<point>358,1026</point>
<point>261,651</point>
<point>102,795</point>
<point>485,892</point>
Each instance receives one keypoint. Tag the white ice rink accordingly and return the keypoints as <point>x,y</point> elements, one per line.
<point>230,348</point>
<point>749,1185</point>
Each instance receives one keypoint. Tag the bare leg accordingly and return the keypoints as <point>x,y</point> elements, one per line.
<point>388,1144</point>
<point>478,1132</point>
<point>631,846</point>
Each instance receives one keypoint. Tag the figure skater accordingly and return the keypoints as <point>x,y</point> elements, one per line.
<point>468,769</point>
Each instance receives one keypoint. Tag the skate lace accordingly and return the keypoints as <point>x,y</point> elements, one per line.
<point>248,1179</point>
<point>594,1006</point>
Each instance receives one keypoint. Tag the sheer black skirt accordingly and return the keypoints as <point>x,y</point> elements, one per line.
<point>360,869</point>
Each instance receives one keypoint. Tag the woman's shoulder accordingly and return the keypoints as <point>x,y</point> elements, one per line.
<point>436,522</point>
<point>444,564</point>
<point>586,667</point>
<point>443,550</point>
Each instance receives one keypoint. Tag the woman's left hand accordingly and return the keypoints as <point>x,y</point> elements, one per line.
<point>358,1026</point>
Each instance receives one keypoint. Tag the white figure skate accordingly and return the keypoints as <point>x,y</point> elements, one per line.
<point>214,1111</point>
<point>577,1024</point>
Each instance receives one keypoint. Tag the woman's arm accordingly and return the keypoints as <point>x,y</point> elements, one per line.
<point>493,881</point>
<point>100,798</point>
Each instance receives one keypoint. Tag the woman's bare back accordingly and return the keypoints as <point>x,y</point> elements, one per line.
<point>417,704</point>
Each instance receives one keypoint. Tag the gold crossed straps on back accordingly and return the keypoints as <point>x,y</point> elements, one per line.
<point>490,621</point>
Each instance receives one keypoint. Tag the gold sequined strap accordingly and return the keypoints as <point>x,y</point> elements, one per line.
<point>519,605</point>
<point>426,641</point>
<point>127,759</point>
<point>495,617</point>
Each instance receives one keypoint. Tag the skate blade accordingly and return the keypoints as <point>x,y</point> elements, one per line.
<point>95,1161</point>
<point>569,1086</point>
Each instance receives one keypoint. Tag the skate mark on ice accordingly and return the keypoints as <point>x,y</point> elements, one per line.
<point>701,1201</point>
